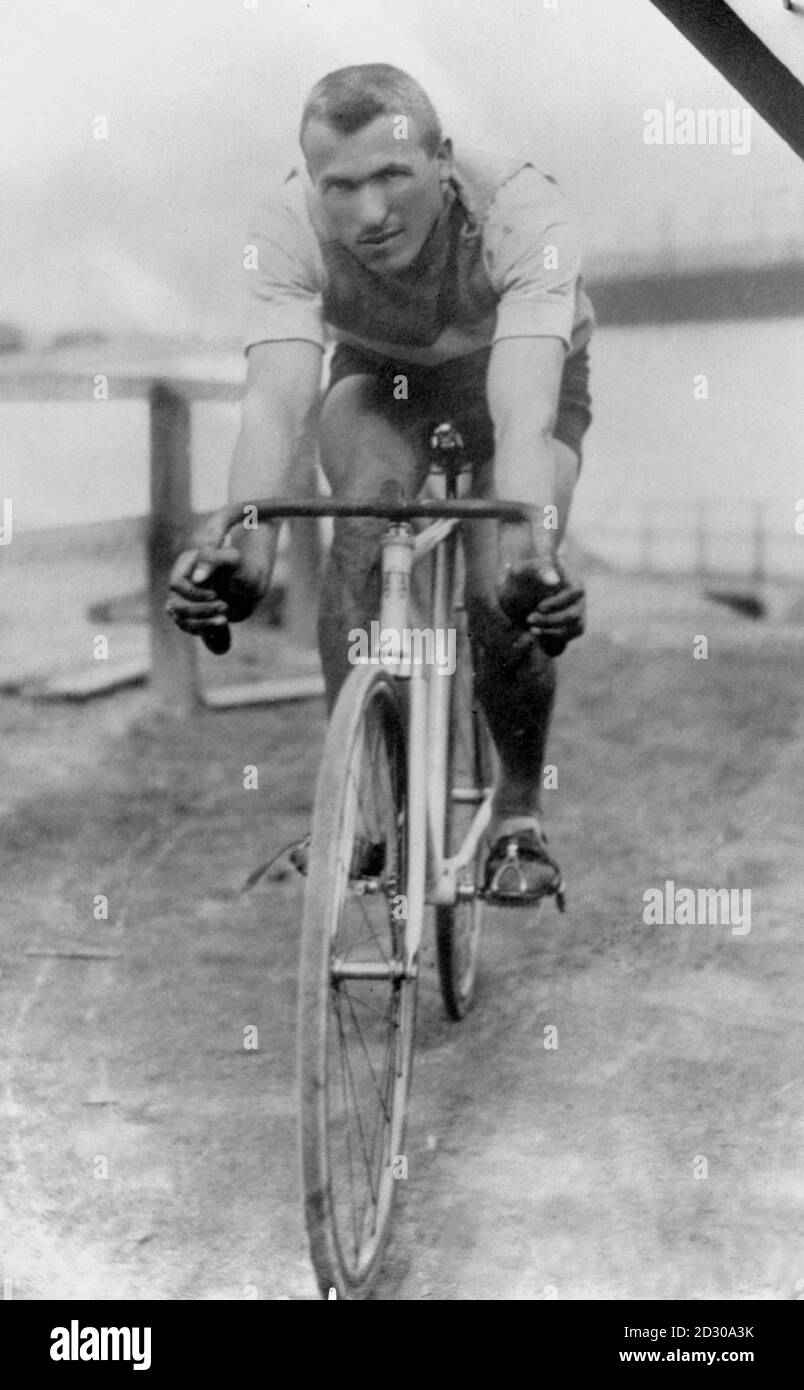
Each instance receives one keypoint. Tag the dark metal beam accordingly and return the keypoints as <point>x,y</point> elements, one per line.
<point>745,61</point>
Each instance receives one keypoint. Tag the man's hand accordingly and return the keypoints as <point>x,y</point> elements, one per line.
<point>538,596</point>
<point>213,586</point>
<point>560,617</point>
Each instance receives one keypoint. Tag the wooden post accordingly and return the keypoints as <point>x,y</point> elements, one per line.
<point>701,540</point>
<point>174,668</point>
<point>759,566</point>
<point>646,539</point>
<point>301,603</point>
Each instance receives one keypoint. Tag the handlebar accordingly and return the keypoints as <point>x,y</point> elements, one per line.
<point>386,506</point>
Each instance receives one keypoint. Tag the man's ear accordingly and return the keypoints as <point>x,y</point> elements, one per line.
<point>444,159</point>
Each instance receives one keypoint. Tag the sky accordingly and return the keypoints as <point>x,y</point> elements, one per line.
<point>143,231</point>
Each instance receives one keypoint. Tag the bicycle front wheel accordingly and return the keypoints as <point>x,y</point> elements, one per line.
<point>357,995</point>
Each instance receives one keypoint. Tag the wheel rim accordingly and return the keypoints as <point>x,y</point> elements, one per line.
<point>369,1017</point>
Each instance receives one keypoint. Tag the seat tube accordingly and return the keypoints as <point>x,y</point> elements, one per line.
<point>397,563</point>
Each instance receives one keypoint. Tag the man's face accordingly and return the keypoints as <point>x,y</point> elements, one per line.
<point>381,195</point>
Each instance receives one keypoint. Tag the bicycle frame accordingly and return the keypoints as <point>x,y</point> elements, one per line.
<point>432,878</point>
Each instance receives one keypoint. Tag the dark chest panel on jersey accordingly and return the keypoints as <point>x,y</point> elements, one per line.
<point>447,286</point>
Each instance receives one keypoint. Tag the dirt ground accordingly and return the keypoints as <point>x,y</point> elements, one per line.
<point>145,1153</point>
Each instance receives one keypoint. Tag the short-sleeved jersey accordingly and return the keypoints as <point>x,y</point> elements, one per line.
<point>501,261</point>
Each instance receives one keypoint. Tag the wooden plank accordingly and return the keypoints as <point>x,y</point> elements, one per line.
<point>268,692</point>
<point>91,680</point>
<point>57,387</point>
<point>23,378</point>
<point>72,953</point>
<point>100,679</point>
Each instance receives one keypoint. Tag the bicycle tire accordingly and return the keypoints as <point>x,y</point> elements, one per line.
<point>360,806</point>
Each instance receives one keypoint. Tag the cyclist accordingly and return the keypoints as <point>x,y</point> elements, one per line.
<point>451,284</point>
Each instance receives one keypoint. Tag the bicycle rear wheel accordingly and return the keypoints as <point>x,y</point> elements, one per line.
<point>470,771</point>
<point>357,999</point>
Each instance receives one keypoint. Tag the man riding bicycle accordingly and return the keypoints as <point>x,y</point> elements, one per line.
<point>452,286</point>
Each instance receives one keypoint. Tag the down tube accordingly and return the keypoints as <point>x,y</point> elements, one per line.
<point>439,705</point>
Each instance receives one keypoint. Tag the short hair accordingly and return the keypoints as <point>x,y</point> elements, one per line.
<point>350,98</point>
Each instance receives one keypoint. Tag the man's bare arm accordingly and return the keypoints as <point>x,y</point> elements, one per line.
<point>214,585</point>
<point>277,430</point>
<point>524,381</point>
<point>524,384</point>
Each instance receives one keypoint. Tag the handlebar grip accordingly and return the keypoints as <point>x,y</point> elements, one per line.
<point>552,646</point>
<point>520,595</point>
<point>218,639</point>
<point>521,592</point>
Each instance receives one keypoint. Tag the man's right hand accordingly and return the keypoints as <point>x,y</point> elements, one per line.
<point>537,595</point>
<point>213,586</point>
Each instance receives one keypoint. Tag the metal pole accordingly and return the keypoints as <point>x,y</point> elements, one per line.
<point>744,60</point>
<point>174,669</point>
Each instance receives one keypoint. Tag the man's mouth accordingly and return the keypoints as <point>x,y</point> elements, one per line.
<point>380,239</point>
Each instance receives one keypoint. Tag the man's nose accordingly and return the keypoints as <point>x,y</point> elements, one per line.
<point>372,208</point>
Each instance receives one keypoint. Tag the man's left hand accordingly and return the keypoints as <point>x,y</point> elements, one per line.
<point>559,617</point>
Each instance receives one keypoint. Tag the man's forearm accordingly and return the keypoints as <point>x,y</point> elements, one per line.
<point>275,444</point>
<point>275,447</point>
<point>269,451</point>
<point>525,471</point>
<point>523,388</point>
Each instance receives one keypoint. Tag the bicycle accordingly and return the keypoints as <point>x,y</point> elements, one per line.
<point>402,803</point>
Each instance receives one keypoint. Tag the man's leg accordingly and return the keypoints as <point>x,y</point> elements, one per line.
<point>362,446</point>
<point>516,694</point>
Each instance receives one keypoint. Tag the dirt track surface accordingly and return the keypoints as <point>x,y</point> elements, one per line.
<point>533,1172</point>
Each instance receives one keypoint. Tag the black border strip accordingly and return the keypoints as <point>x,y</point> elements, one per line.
<point>745,61</point>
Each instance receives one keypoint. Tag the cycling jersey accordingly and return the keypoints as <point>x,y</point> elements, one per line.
<point>501,261</point>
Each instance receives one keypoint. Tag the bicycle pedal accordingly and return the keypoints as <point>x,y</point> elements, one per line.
<point>496,896</point>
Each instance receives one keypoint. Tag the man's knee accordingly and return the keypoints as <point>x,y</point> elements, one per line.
<point>361,446</point>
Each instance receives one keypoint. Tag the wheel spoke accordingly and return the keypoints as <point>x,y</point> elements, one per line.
<point>383,1118</point>
<point>362,1040</point>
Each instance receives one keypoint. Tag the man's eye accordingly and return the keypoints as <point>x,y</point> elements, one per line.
<point>389,174</point>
